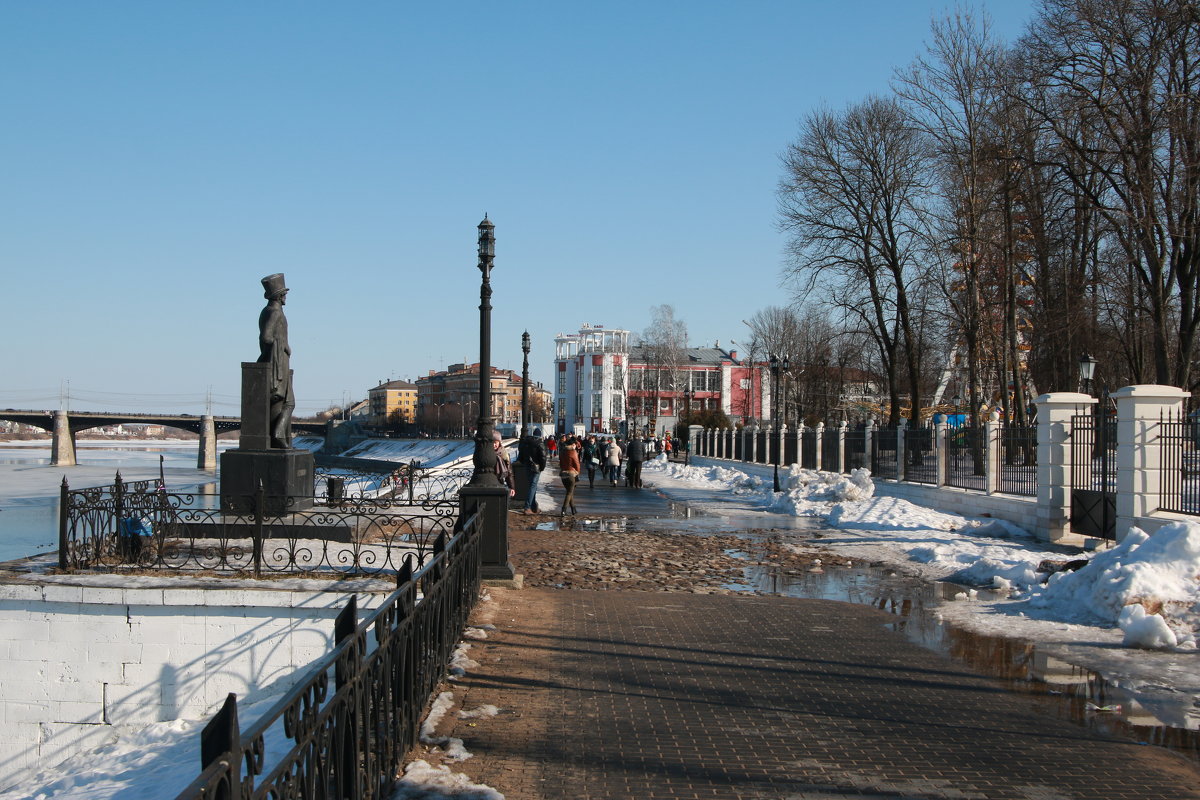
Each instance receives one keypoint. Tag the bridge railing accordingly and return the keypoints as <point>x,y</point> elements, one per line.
<point>127,527</point>
<point>350,742</point>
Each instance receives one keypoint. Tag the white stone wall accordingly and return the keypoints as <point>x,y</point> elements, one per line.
<point>78,661</point>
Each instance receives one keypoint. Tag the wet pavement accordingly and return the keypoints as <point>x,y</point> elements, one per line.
<point>818,683</point>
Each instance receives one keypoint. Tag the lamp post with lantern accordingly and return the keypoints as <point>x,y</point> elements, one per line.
<point>524,384</point>
<point>484,458</point>
<point>773,446</point>
<point>485,496</point>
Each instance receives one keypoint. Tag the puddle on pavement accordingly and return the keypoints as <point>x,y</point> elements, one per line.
<point>1066,690</point>
<point>682,518</point>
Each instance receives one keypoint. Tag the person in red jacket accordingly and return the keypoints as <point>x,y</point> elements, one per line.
<point>568,470</point>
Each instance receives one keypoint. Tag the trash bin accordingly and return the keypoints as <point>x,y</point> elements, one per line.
<point>336,489</point>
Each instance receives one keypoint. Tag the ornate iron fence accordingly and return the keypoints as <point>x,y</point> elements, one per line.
<point>350,743</point>
<point>856,449</point>
<point>966,454</point>
<point>1093,476</point>
<point>1016,460</point>
<point>920,455</point>
<point>408,481</point>
<point>791,445</point>
<point>1179,478</point>
<point>140,526</point>
<point>808,449</point>
<point>760,452</point>
<point>736,445</point>
<point>883,453</point>
<point>831,456</point>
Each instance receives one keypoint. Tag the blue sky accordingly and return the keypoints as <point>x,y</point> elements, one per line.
<point>158,159</point>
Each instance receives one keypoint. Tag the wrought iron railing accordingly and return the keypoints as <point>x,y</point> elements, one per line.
<point>920,455</point>
<point>857,456</point>
<point>1179,478</point>
<point>1016,460</point>
<point>966,458</point>
<point>407,481</point>
<point>348,740</point>
<point>883,453</point>
<point>141,526</point>
<point>808,448</point>
<point>831,456</point>
<point>791,445</point>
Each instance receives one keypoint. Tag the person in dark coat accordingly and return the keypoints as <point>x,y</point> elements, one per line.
<point>531,454</point>
<point>636,455</point>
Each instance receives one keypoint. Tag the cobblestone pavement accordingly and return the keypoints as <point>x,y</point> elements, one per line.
<point>613,692</point>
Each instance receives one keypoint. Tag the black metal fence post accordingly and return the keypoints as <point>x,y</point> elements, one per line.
<point>63,515</point>
<point>260,502</point>
<point>221,738</point>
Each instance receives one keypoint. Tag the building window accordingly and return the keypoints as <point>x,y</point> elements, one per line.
<point>562,382</point>
<point>617,410</point>
<point>597,405</point>
<point>597,377</point>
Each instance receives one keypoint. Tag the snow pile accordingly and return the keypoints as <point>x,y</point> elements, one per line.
<point>1149,631</point>
<point>1157,573</point>
<point>421,781</point>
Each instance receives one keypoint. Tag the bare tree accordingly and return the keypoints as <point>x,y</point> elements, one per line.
<point>851,200</point>
<point>664,347</point>
<point>1118,84</point>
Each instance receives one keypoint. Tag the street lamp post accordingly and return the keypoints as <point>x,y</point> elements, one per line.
<point>787,391</point>
<point>484,458</point>
<point>525,384</point>
<point>774,450</point>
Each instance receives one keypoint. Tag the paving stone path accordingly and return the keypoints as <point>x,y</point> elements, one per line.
<point>651,694</point>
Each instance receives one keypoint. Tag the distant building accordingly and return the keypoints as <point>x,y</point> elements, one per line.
<point>389,397</point>
<point>448,400</point>
<point>605,384</point>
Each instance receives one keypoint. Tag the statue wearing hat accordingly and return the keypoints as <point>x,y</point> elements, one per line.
<point>274,350</point>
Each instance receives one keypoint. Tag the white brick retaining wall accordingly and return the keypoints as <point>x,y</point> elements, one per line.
<point>79,660</point>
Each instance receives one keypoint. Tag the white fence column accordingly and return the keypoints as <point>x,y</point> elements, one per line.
<point>1054,412</point>
<point>991,452</point>
<point>820,445</point>
<point>901,449</point>
<point>1139,468</point>
<point>939,450</point>
<point>841,448</point>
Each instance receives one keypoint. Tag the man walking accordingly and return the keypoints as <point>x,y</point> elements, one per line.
<point>531,454</point>
<point>636,453</point>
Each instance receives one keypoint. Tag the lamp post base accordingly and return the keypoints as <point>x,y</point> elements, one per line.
<point>492,504</point>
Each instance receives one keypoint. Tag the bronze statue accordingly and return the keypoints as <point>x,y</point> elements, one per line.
<point>274,350</point>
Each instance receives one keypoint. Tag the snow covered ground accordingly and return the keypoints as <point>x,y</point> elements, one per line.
<point>1131,613</point>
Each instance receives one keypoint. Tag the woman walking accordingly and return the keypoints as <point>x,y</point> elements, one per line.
<point>612,460</point>
<point>568,469</point>
<point>590,456</point>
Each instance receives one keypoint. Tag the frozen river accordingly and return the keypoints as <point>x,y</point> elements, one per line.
<point>29,486</point>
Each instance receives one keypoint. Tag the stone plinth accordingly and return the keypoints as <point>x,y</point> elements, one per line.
<point>287,478</point>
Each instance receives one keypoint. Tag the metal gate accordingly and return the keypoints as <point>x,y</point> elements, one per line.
<point>1093,477</point>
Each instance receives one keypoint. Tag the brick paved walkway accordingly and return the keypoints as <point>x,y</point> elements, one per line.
<point>651,695</point>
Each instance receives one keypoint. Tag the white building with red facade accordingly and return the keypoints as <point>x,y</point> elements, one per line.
<point>605,385</point>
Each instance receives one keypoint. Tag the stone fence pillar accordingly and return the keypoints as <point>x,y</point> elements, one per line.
<point>901,449</point>
<point>841,448</point>
<point>1140,410</point>
<point>991,452</point>
<point>1054,412</point>
<point>820,434</point>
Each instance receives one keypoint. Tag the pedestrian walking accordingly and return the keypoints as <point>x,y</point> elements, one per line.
<point>531,454</point>
<point>552,445</point>
<point>568,470</point>
<point>503,467</point>
<point>636,455</point>
<point>589,455</point>
<point>612,460</point>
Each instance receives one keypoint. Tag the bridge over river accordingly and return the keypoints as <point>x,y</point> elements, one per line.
<point>63,426</point>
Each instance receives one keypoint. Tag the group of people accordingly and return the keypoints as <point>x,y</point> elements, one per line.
<point>577,455</point>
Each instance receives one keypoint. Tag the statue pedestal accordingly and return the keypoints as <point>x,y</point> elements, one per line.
<point>288,480</point>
